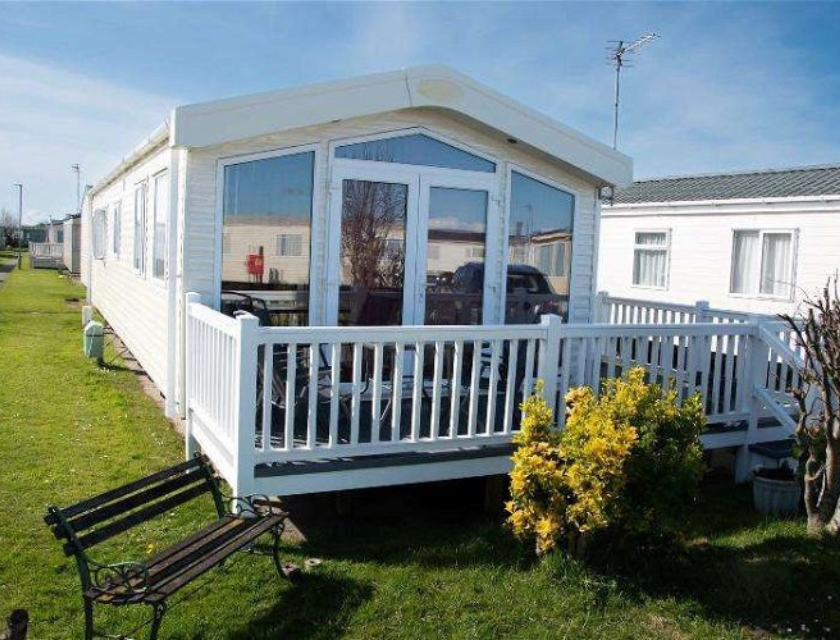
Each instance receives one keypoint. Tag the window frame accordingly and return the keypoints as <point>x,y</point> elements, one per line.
<point>316,224</point>
<point>139,242</point>
<point>155,178</point>
<point>576,193</point>
<point>762,231</point>
<point>649,247</point>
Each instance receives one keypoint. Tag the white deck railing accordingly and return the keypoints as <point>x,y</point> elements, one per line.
<point>46,254</point>
<point>262,395</point>
<point>615,310</point>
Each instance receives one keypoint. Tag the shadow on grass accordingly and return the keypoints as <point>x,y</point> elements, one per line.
<point>318,606</point>
<point>774,582</point>
<point>735,567</point>
<point>437,525</point>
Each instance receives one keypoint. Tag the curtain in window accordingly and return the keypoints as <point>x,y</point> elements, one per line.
<point>559,260</point>
<point>745,263</point>
<point>544,259</point>
<point>775,265</point>
<point>649,267</point>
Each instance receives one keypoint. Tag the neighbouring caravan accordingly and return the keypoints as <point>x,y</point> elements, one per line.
<point>756,241</point>
<point>72,242</point>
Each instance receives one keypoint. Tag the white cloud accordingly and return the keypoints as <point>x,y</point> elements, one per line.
<point>52,118</point>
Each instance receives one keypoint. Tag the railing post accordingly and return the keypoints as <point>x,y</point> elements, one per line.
<point>600,314</point>
<point>190,444</point>
<point>702,311</point>
<point>756,375</point>
<point>549,358</point>
<point>245,403</point>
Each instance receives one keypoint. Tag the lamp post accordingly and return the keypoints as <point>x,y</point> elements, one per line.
<point>78,171</point>
<point>20,220</point>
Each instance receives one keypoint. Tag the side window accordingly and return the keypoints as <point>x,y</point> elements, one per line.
<point>140,228</point>
<point>161,223</point>
<point>762,263</point>
<point>650,259</point>
<point>99,234</point>
<point>116,230</point>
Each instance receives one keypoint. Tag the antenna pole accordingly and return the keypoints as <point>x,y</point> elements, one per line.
<point>617,93</point>
<point>617,54</point>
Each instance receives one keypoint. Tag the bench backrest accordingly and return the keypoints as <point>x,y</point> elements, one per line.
<point>108,514</point>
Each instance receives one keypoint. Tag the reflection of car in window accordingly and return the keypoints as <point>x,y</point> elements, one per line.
<point>529,295</point>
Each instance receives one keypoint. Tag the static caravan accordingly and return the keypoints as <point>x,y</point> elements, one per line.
<point>757,242</point>
<point>72,244</point>
<point>347,204</point>
<point>355,284</point>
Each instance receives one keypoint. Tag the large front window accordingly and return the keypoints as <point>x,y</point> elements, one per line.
<point>539,249</point>
<point>267,222</point>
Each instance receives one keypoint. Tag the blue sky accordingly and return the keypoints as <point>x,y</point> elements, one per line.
<point>728,85</point>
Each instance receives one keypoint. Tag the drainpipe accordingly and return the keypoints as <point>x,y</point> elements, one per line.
<point>172,275</point>
<point>89,205</point>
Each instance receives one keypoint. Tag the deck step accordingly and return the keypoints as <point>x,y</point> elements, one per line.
<point>775,450</point>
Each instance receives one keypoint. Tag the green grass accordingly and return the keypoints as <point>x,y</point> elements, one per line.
<point>409,563</point>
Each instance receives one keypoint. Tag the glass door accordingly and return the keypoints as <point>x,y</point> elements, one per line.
<point>409,248</point>
<point>374,220</point>
<point>455,247</point>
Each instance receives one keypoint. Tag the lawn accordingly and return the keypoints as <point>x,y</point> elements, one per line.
<point>408,563</point>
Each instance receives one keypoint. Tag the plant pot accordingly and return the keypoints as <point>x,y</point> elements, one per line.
<point>776,497</point>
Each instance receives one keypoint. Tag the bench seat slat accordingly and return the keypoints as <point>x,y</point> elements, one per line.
<point>131,487</point>
<point>137,517</point>
<point>188,550</point>
<point>174,573</point>
<point>260,526</point>
<point>113,509</point>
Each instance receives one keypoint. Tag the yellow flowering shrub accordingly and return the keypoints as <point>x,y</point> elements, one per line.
<point>627,457</point>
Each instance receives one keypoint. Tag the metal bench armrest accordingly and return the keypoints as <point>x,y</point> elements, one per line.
<point>107,576</point>
<point>255,505</point>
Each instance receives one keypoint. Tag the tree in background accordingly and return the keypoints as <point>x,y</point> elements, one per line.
<point>8,222</point>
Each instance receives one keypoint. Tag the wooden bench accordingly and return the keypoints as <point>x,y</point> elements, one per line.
<point>151,582</point>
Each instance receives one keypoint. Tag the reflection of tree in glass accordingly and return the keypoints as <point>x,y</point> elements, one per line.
<point>371,212</point>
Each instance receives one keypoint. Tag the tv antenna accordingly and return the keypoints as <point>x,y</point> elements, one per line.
<point>619,52</point>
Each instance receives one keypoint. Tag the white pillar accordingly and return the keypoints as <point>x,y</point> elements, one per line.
<point>549,358</point>
<point>244,428</point>
<point>756,376</point>
<point>191,445</point>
